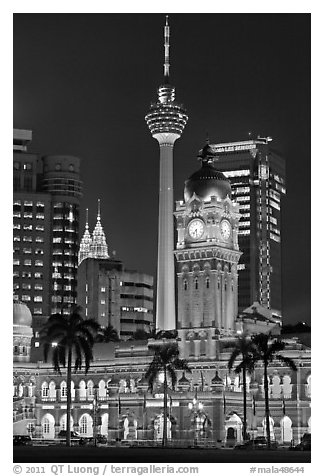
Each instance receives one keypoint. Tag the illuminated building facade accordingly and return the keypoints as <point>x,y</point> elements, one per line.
<point>47,192</point>
<point>257,176</point>
<point>109,293</point>
<point>207,255</point>
<point>166,121</point>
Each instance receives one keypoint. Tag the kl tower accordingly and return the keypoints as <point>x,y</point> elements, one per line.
<point>166,121</point>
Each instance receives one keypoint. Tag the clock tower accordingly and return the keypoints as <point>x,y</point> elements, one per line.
<point>207,254</point>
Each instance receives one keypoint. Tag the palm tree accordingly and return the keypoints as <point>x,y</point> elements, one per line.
<point>266,349</point>
<point>107,334</point>
<point>68,337</point>
<point>243,350</point>
<point>166,361</point>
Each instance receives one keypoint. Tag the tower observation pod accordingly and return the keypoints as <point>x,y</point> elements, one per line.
<point>166,120</point>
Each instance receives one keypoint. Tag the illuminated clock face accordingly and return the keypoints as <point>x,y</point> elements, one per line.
<point>196,229</point>
<point>226,229</point>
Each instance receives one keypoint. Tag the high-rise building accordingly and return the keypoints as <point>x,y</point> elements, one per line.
<point>47,192</point>
<point>166,121</point>
<point>109,293</point>
<point>257,176</point>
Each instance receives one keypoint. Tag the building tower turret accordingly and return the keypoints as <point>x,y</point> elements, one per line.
<point>98,247</point>
<point>166,121</point>
<point>86,241</point>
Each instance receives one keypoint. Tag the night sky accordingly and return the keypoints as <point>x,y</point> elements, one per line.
<point>84,82</point>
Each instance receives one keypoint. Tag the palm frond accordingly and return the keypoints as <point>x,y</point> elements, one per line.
<point>288,361</point>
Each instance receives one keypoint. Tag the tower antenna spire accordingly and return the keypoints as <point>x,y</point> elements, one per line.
<point>98,216</point>
<point>87,219</point>
<point>166,50</point>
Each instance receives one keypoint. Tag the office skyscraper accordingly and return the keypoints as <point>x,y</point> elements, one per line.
<point>47,192</point>
<point>257,176</point>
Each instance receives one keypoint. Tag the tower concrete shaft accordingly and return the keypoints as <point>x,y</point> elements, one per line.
<point>166,121</point>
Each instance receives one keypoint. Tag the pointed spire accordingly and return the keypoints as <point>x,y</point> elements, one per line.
<point>166,50</point>
<point>98,247</point>
<point>86,241</point>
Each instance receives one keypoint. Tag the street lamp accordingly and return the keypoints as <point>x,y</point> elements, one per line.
<point>196,408</point>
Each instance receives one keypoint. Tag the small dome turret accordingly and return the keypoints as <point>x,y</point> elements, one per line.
<point>207,182</point>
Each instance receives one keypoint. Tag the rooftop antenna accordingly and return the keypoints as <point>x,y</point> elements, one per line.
<point>98,216</point>
<point>87,219</point>
<point>166,50</point>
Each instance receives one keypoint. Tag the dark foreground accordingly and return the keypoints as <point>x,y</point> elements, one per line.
<point>61,454</point>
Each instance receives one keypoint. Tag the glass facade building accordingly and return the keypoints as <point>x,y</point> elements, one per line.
<point>257,176</point>
<point>47,192</point>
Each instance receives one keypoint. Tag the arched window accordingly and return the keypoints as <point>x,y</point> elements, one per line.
<point>44,390</point>
<point>52,389</point>
<point>63,390</point>
<point>63,422</point>
<point>102,389</point>
<point>196,283</point>
<point>90,391</point>
<point>185,284</point>
<point>82,390</point>
<point>207,282</point>
<point>85,425</point>
<point>104,424</point>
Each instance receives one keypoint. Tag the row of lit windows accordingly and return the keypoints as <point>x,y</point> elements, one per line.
<point>66,299</point>
<point>244,232</point>
<point>244,224</point>
<point>38,239</point>
<point>57,275</point>
<point>28,203</point>
<point>26,274</point>
<point>274,204</point>
<point>239,190</point>
<point>66,264</point>
<point>237,173</point>
<point>28,262</point>
<point>28,251</point>
<point>275,195</point>
<point>61,252</point>
<point>244,198</point>
<point>27,297</point>
<point>17,226</point>
<point>27,286</point>
<point>58,287</point>
<point>39,216</point>
<point>134,309</point>
<point>245,206</point>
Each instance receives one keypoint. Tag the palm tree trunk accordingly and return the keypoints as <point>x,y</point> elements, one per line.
<point>165,409</point>
<point>68,397</point>
<point>244,403</point>
<point>266,401</point>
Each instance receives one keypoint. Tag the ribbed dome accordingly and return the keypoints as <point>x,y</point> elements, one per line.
<point>207,182</point>
<point>21,315</point>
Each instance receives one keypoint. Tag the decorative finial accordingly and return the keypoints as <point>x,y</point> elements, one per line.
<point>207,138</point>
<point>98,216</point>
<point>166,49</point>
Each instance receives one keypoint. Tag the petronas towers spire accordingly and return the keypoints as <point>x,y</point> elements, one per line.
<point>95,246</point>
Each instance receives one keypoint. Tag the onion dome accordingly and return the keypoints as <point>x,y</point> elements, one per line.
<point>22,315</point>
<point>207,182</point>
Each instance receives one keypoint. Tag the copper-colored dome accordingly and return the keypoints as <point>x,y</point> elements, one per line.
<point>21,315</point>
<point>207,182</point>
